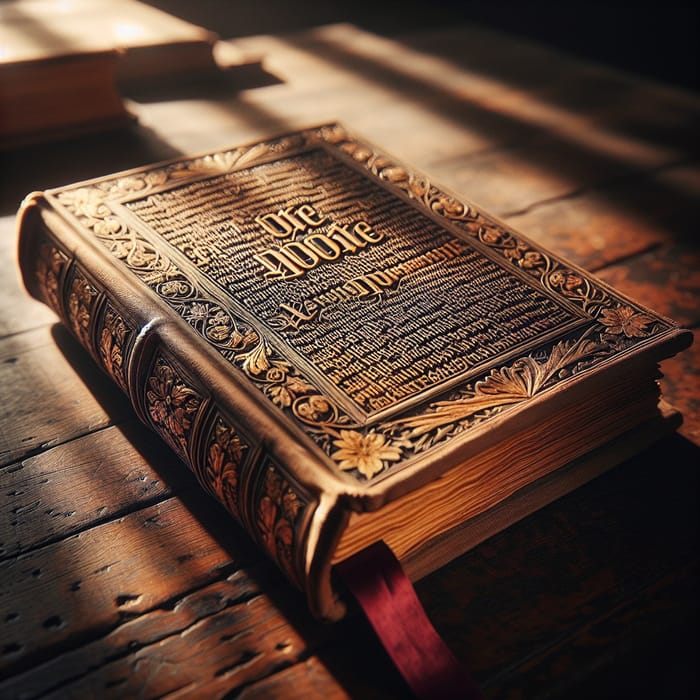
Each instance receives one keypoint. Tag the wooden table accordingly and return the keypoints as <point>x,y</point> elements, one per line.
<point>119,578</point>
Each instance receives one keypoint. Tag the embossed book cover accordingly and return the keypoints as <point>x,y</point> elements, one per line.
<point>341,351</point>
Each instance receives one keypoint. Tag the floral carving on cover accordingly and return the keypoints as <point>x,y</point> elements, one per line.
<point>80,307</point>
<point>114,337</point>
<point>278,510</point>
<point>364,449</point>
<point>226,452</point>
<point>172,406</point>
<point>50,266</point>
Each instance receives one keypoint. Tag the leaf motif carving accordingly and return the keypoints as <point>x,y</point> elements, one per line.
<point>257,361</point>
<point>502,387</point>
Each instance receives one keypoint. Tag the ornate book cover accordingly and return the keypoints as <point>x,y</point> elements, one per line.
<point>340,350</point>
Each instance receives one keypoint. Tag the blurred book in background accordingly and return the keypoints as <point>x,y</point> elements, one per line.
<point>62,62</point>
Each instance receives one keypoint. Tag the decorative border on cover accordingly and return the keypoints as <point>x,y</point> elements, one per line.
<point>365,452</point>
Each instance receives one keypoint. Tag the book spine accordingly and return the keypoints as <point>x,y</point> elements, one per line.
<point>145,357</point>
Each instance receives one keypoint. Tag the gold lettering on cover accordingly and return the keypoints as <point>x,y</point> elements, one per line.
<point>304,251</point>
<point>367,286</point>
<point>296,314</point>
<point>324,246</point>
<point>366,232</point>
<point>278,265</point>
<point>286,222</point>
<point>383,304</point>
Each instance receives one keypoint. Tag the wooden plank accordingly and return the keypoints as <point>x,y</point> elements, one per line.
<point>68,592</point>
<point>509,181</point>
<point>97,664</point>
<point>631,107</point>
<point>225,636</point>
<point>340,72</point>
<point>52,392</point>
<point>511,59</point>
<point>217,653</point>
<point>603,225</point>
<point>83,482</point>
<point>501,144</point>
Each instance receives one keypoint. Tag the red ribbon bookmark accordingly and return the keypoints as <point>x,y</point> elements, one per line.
<point>376,580</point>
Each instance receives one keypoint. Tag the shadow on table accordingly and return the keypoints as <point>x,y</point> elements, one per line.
<point>264,618</point>
<point>53,164</point>
<point>227,82</point>
<point>584,593</point>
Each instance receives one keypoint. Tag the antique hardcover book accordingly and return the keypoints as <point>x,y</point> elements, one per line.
<point>343,352</point>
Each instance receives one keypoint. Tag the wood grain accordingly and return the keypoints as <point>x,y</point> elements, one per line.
<point>45,400</point>
<point>84,585</point>
<point>605,224</point>
<point>82,482</point>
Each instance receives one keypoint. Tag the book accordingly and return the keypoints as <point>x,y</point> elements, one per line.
<point>49,97</point>
<point>344,352</point>
<point>63,64</point>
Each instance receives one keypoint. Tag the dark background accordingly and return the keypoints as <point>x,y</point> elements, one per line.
<point>653,40</point>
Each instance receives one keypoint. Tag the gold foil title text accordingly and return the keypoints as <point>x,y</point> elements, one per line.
<point>305,245</point>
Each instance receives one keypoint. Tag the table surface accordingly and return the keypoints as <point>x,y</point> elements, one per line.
<point>119,578</point>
